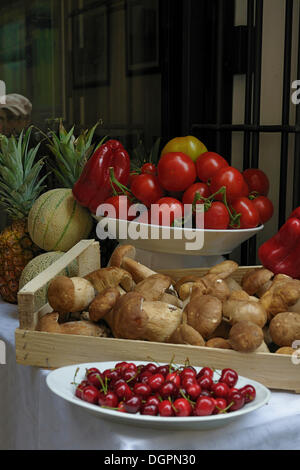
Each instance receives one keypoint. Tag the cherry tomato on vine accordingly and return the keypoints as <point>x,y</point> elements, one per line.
<point>189,145</point>
<point>176,171</point>
<point>201,189</point>
<point>265,208</point>
<point>249,215</point>
<point>230,178</point>
<point>168,209</point>
<point>257,181</point>
<point>208,164</point>
<point>216,217</point>
<point>146,189</point>
<point>121,204</point>
<point>149,169</point>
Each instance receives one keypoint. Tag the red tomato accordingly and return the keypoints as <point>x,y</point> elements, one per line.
<point>176,171</point>
<point>249,215</point>
<point>149,169</point>
<point>121,205</point>
<point>168,209</point>
<point>217,217</point>
<point>146,189</point>
<point>132,175</point>
<point>265,208</point>
<point>208,164</point>
<point>198,188</point>
<point>231,179</point>
<point>257,181</point>
<point>245,191</point>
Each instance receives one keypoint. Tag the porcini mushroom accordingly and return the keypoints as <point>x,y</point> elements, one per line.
<point>204,314</point>
<point>124,257</point>
<point>103,304</point>
<point>224,270</point>
<point>111,277</point>
<point>240,306</point>
<point>283,294</point>
<point>69,295</point>
<point>135,318</point>
<point>186,334</point>
<point>256,279</point>
<point>49,323</point>
<point>158,287</point>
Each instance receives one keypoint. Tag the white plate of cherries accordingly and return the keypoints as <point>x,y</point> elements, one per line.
<point>161,396</point>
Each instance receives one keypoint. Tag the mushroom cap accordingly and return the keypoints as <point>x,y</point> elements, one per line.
<point>103,303</point>
<point>153,287</point>
<point>49,323</point>
<point>246,336</point>
<point>224,269</point>
<point>186,334</point>
<point>204,313</point>
<point>61,293</point>
<point>218,343</point>
<point>255,279</point>
<point>283,293</point>
<point>110,277</point>
<point>121,252</point>
<point>239,309</point>
<point>128,320</point>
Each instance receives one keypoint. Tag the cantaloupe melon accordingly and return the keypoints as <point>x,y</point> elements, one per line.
<point>39,264</point>
<point>56,221</point>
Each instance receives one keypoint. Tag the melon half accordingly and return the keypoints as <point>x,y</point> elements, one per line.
<point>56,221</point>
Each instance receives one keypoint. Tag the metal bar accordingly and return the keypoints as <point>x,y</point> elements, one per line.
<point>248,106</point>
<point>285,109</point>
<point>220,55</point>
<point>296,192</point>
<point>249,81</point>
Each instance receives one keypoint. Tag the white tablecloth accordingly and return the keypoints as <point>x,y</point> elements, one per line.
<point>33,418</point>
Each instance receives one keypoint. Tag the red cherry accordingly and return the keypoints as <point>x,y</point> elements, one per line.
<point>130,375</point>
<point>165,409</point>
<point>221,405</point>
<point>220,390</point>
<point>151,368</point>
<point>205,382</point>
<point>153,400</point>
<point>163,370</point>
<point>182,407</point>
<point>133,404</point>
<point>186,381</point>
<point>123,391</point>
<point>188,372</point>
<point>142,389</point>
<point>205,371</point>
<point>168,389</point>
<point>80,387</point>
<point>150,410</point>
<point>229,376</point>
<point>95,379</point>
<point>156,381</point>
<point>204,406</point>
<point>121,407</point>
<point>248,392</point>
<point>90,394</point>
<point>144,376</point>
<point>92,370</point>
<point>235,401</point>
<point>174,377</point>
<point>194,391</point>
<point>109,399</point>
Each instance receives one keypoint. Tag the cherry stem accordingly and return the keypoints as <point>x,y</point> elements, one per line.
<point>76,372</point>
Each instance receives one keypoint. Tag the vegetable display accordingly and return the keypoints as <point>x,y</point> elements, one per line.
<point>183,173</point>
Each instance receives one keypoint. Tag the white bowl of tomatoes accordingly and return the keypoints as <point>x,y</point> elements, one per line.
<point>234,205</point>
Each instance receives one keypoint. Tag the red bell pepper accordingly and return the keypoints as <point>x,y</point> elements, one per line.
<point>281,254</point>
<point>94,185</point>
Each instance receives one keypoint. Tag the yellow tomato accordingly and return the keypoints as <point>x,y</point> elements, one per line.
<point>189,145</point>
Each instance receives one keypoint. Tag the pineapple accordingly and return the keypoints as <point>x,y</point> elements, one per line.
<point>20,185</point>
<point>70,153</point>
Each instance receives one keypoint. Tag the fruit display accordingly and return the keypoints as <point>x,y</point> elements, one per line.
<point>39,264</point>
<point>164,390</point>
<point>20,186</point>
<point>56,221</point>
<point>257,314</point>
<point>183,173</point>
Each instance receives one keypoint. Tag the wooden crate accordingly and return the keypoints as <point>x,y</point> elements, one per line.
<point>52,350</point>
